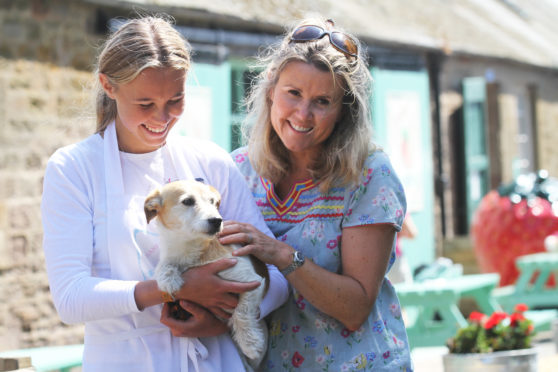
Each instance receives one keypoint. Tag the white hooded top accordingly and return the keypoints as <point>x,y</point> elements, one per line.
<point>98,246</point>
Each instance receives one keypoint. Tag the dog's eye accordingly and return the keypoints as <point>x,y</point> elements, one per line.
<point>189,201</point>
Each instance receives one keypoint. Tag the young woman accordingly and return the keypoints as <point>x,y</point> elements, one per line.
<point>333,201</point>
<point>100,252</point>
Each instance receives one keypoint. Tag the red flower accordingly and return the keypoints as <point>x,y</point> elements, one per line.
<point>520,308</point>
<point>297,359</point>
<point>345,333</point>
<point>499,331</point>
<point>332,244</point>
<point>239,158</point>
<point>476,317</point>
<point>516,318</point>
<point>495,319</point>
<point>300,302</point>
<point>296,328</point>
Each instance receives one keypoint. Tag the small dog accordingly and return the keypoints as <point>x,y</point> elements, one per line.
<point>188,221</point>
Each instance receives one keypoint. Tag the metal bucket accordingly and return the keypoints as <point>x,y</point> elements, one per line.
<point>524,360</point>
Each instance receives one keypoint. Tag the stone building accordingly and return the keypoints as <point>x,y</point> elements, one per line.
<point>423,55</point>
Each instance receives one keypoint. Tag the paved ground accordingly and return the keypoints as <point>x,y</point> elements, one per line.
<point>429,359</point>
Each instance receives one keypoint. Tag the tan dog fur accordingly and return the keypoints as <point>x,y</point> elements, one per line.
<point>188,221</point>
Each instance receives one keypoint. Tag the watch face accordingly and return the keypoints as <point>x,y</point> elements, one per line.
<point>298,261</point>
<point>298,258</point>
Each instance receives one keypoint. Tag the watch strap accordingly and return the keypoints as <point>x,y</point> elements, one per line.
<point>298,261</point>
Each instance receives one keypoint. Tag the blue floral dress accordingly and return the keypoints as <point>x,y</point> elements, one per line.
<point>301,336</point>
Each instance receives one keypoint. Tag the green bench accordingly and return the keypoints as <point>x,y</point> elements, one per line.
<point>431,307</point>
<point>50,358</point>
<point>531,286</point>
<point>432,314</point>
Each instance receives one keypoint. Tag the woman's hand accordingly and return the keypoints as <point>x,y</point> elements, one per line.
<point>253,241</point>
<point>201,324</point>
<point>347,296</point>
<point>203,286</point>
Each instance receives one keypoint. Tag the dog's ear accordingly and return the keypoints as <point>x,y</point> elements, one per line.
<point>153,204</point>
<point>217,195</point>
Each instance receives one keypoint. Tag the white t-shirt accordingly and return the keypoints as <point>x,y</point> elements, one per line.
<point>97,247</point>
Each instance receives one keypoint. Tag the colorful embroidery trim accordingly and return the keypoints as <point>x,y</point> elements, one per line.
<point>295,220</point>
<point>283,207</point>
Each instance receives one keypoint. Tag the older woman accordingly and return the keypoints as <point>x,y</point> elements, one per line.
<point>333,201</point>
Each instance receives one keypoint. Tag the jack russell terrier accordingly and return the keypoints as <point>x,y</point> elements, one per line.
<point>188,222</point>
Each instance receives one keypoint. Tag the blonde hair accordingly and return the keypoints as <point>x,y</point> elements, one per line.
<point>150,41</point>
<point>346,149</point>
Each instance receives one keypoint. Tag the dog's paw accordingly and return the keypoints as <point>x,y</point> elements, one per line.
<point>169,278</point>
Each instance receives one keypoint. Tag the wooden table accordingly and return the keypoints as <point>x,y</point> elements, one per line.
<point>531,286</point>
<point>50,358</point>
<point>432,314</point>
<point>431,307</point>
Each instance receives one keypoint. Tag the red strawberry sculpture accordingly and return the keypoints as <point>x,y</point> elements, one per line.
<point>514,221</point>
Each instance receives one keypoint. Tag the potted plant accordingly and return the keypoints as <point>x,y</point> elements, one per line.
<point>499,342</point>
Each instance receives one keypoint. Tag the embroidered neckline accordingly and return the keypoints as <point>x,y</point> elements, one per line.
<point>282,207</point>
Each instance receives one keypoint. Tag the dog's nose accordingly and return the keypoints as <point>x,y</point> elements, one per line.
<point>214,225</point>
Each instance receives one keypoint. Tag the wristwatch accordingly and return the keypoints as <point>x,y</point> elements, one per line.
<point>298,261</point>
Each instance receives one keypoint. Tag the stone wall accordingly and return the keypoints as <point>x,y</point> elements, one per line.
<point>42,107</point>
<point>514,82</point>
<point>62,32</point>
<point>47,50</point>
<point>547,112</point>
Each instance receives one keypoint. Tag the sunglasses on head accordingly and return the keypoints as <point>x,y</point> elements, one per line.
<point>339,40</point>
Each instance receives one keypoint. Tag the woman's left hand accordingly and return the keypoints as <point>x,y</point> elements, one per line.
<point>202,323</point>
<point>253,241</point>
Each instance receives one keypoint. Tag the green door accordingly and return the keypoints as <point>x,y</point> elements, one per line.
<point>401,117</point>
<point>475,145</point>
<point>207,111</point>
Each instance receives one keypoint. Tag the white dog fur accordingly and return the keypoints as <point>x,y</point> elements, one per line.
<point>188,221</point>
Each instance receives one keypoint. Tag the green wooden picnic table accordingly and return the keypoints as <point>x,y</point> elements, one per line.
<point>432,311</point>
<point>431,306</point>
<point>50,358</point>
<point>531,286</point>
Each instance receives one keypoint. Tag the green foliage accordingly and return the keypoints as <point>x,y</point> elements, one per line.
<point>470,339</point>
<point>497,332</point>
